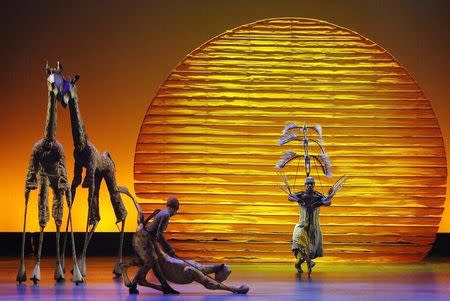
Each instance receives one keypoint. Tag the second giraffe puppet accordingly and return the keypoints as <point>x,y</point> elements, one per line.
<point>99,166</point>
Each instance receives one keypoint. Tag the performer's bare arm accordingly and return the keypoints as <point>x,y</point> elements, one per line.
<point>296,198</point>
<point>163,223</point>
<point>326,201</point>
<point>292,198</point>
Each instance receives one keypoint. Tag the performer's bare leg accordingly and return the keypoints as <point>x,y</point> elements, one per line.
<point>140,278</point>
<point>211,284</point>
<point>148,260</point>
<point>132,284</point>
<point>125,266</point>
<point>166,288</point>
<point>310,264</point>
<point>221,271</point>
<point>299,260</point>
<point>144,282</point>
<point>141,274</point>
<point>298,265</point>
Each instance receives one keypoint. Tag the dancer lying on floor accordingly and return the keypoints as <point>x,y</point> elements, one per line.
<point>154,253</point>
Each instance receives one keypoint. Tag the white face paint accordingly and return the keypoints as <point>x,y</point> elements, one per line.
<point>56,79</point>
<point>51,78</point>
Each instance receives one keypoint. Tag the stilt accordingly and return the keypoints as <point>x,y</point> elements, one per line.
<point>82,259</point>
<point>59,274</point>
<point>117,271</point>
<point>63,251</point>
<point>76,277</point>
<point>22,274</point>
<point>36,276</point>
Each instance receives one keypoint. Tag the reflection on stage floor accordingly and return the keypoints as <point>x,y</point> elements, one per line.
<point>428,280</point>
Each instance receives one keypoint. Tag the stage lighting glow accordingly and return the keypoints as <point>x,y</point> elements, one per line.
<point>210,138</point>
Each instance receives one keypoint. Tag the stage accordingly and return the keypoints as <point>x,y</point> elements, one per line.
<point>428,280</point>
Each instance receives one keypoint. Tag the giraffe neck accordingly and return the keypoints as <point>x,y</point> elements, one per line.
<point>78,132</point>
<point>50,122</point>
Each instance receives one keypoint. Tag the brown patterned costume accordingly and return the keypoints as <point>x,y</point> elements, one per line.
<point>47,163</point>
<point>154,252</point>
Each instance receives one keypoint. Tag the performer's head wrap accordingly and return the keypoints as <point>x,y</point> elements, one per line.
<point>310,180</point>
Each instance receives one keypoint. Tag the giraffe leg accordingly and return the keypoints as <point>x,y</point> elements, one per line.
<point>59,273</point>
<point>64,246</point>
<point>43,220</point>
<point>93,218</point>
<point>57,213</point>
<point>82,260</point>
<point>118,267</point>
<point>81,263</point>
<point>22,274</point>
<point>36,276</point>
<point>76,274</point>
<point>119,210</point>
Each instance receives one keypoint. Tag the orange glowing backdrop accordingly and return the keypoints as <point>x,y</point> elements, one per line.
<point>210,137</point>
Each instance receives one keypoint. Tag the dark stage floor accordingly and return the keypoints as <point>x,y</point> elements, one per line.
<point>429,280</point>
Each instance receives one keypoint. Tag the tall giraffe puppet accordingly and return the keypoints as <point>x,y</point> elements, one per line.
<point>47,166</point>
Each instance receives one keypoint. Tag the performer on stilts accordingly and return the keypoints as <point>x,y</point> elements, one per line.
<point>48,169</point>
<point>98,166</point>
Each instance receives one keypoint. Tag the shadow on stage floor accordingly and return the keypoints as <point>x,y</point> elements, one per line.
<point>428,280</point>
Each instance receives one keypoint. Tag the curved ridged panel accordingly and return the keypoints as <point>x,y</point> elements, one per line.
<point>210,138</point>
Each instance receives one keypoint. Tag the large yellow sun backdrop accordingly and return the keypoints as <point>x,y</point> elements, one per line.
<point>210,138</point>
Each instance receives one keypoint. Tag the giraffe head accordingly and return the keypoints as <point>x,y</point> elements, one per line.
<point>63,88</point>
